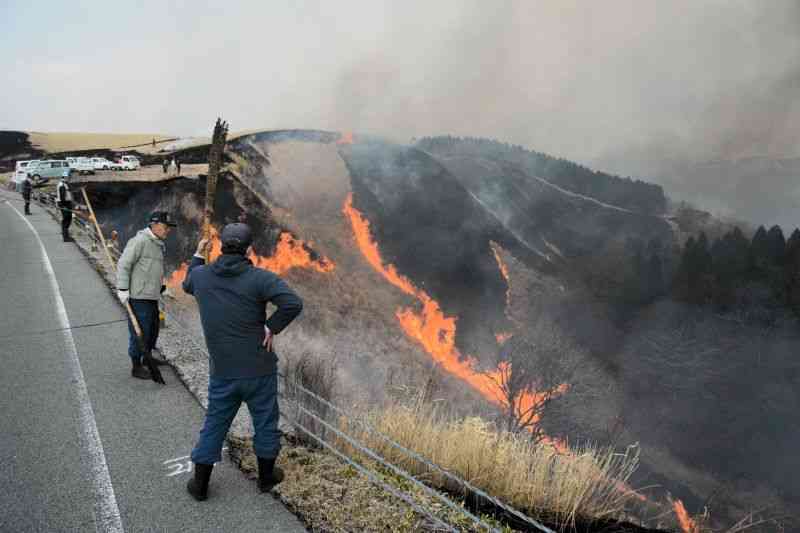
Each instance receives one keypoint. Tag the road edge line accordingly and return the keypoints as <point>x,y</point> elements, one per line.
<point>106,511</point>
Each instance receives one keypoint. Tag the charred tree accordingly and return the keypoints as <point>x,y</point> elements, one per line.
<point>214,165</point>
<point>532,371</point>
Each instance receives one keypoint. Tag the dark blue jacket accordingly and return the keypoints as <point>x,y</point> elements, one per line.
<point>232,295</point>
<point>27,187</point>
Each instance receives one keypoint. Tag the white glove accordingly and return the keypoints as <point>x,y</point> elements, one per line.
<point>268,336</point>
<point>123,296</point>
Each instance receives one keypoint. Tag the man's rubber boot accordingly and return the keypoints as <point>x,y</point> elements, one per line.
<point>198,485</point>
<point>139,370</point>
<point>156,356</point>
<point>269,475</point>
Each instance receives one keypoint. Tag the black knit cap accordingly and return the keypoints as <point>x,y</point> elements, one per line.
<point>236,236</point>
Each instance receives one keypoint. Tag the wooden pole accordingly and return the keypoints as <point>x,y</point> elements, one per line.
<point>218,139</point>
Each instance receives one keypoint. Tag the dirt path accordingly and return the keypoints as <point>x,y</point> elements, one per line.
<point>150,173</point>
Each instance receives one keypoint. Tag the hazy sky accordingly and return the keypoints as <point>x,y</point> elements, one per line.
<point>593,81</point>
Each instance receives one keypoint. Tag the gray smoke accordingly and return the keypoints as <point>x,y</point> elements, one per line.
<point>627,86</point>
<point>593,82</point>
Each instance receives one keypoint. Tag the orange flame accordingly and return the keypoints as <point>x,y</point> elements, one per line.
<point>430,327</point>
<point>503,337</point>
<point>178,275</point>
<point>289,253</point>
<point>345,137</point>
<point>504,271</point>
<point>686,522</point>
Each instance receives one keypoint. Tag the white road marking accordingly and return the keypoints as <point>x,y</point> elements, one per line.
<point>106,512</point>
<point>182,464</point>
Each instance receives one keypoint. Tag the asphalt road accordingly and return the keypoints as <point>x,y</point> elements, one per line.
<point>83,445</point>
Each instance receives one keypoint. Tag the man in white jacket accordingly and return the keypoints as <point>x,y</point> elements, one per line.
<point>64,202</point>
<point>140,277</point>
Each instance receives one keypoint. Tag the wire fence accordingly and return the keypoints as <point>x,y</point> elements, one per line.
<point>299,412</point>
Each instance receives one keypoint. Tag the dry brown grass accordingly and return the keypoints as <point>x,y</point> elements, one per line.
<point>587,482</point>
<point>558,488</point>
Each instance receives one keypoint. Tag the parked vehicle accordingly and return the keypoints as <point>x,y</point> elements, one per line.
<point>21,170</point>
<point>101,163</point>
<point>130,162</point>
<point>42,171</point>
<point>82,165</point>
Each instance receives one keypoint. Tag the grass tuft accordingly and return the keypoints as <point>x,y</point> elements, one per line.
<point>587,482</point>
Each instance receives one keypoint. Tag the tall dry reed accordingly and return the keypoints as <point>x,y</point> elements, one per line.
<point>586,481</point>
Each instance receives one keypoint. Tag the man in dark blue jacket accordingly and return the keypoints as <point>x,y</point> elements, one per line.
<point>232,296</point>
<point>27,188</point>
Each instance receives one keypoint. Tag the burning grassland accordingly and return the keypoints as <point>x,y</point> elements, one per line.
<point>436,333</point>
<point>407,277</point>
<point>289,253</point>
<point>329,495</point>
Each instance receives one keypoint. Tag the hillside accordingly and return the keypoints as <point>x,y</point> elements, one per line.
<point>431,265</point>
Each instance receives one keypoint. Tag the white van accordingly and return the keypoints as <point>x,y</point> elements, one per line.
<point>41,171</point>
<point>21,170</point>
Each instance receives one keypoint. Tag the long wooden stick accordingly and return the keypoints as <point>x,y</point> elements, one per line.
<point>214,165</point>
<point>113,263</point>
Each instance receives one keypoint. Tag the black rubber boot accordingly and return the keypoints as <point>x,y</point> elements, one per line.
<point>139,370</point>
<point>156,356</point>
<point>198,485</point>
<point>269,475</point>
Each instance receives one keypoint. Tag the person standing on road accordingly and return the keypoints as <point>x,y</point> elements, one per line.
<point>178,166</point>
<point>232,296</point>
<point>164,165</point>
<point>27,188</point>
<point>172,166</point>
<point>64,202</point>
<point>140,282</point>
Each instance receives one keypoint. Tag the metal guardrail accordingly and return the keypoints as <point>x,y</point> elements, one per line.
<point>431,465</point>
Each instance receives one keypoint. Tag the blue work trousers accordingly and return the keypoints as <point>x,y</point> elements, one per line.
<point>146,312</point>
<point>225,396</point>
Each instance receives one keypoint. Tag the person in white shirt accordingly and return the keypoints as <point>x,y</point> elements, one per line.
<point>64,202</point>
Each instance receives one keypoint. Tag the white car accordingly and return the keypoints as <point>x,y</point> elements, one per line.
<point>82,165</point>
<point>130,162</point>
<point>101,163</point>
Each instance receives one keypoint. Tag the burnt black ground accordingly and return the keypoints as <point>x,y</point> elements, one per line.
<point>15,145</point>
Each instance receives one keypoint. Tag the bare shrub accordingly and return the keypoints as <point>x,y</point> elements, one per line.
<point>533,370</point>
